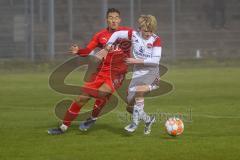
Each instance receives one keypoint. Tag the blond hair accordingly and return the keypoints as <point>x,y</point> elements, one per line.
<point>147,22</point>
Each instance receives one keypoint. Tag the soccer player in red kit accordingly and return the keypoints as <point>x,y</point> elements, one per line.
<point>109,76</point>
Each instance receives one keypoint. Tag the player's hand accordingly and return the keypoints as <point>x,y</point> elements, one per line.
<point>101,54</point>
<point>73,49</point>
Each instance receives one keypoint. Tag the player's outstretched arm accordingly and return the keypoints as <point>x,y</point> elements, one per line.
<point>117,35</point>
<point>130,61</point>
<point>83,52</point>
<point>76,50</point>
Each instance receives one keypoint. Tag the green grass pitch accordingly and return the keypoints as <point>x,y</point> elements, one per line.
<point>212,131</point>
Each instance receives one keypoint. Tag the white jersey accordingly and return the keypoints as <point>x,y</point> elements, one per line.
<point>149,50</point>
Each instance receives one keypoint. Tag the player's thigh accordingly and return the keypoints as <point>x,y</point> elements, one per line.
<point>141,89</point>
<point>82,99</point>
<point>92,88</point>
<point>104,90</point>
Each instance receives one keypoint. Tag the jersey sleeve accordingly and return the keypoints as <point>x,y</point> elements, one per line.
<point>117,35</point>
<point>157,42</point>
<point>90,47</point>
<point>156,56</point>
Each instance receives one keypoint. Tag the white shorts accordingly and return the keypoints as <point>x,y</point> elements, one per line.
<point>148,78</point>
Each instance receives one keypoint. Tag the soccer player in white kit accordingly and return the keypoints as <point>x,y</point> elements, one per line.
<point>146,49</point>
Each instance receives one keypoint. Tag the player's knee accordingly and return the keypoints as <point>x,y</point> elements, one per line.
<point>102,94</point>
<point>106,92</point>
<point>139,94</point>
<point>129,109</point>
<point>140,90</point>
<point>81,100</point>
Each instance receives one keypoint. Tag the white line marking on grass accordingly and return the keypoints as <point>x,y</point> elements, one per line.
<point>216,117</point>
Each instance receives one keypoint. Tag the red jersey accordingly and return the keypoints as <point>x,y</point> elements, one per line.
<point>114,60</point>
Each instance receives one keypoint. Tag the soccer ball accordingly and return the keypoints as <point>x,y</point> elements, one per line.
<point>174,126</point>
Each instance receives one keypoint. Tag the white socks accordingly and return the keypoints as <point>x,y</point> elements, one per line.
<point>138,112</point>
<point>63,127</point>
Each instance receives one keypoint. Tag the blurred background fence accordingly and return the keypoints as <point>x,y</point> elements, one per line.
<point>190,29</point>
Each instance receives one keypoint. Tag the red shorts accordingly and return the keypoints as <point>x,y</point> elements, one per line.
<point>114,81</point>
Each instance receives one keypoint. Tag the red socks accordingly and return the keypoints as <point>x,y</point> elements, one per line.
<point>99,104</point>
<point>71,113</point>
<point>75,108</point>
